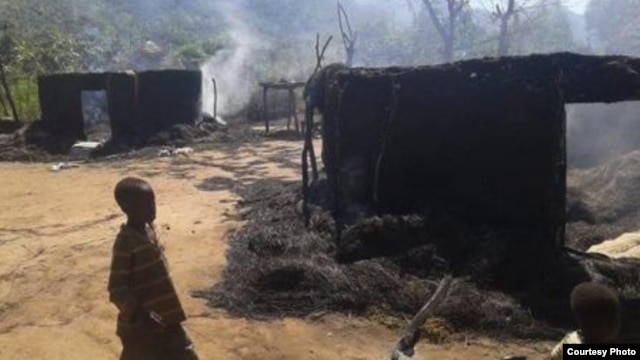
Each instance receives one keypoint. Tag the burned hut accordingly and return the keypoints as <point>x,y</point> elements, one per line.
<point>482,140</point>
<point>451,169</point>
<point>139,104</point>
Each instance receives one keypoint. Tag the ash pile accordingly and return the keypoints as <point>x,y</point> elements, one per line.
<point>418,186</point>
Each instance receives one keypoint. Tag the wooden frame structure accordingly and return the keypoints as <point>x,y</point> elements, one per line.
<point>292,113</point>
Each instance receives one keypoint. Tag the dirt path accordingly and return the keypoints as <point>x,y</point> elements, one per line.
<point>56,233</point>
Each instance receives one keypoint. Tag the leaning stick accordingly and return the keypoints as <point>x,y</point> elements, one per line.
<point>320,53</point>
<point>7,92</point>
<point>215,98</point>
<point>411,335</point>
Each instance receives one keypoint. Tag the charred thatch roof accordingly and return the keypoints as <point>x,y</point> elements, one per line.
<point>277,267</point>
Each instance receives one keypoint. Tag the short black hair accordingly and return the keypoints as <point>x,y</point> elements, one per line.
<point>129,188</point>
<point>591,300</point>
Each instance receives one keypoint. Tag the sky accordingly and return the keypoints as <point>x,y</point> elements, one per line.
<point>577,6</point>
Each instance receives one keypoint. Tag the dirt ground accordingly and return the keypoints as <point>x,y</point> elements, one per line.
<point>56,233</point>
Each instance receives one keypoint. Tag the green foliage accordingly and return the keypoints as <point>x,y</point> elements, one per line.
<point>25,96</point>
<point>191,55</point>
<point>41,37</point>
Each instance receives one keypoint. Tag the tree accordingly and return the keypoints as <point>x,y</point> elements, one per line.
<point>613,25</point>
<point>542,26</point>
<point>504,15</point>
<point>6,48</point>
<point>349,38</point>
<point>100,35</point>
<point>446,22</point>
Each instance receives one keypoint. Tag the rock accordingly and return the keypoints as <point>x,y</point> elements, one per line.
<point>83,149</point>
<point>8,125</point>
<point>63,166</point>
<point>183,151</point>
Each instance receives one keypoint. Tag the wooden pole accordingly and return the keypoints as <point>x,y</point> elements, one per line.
<point>294,110</point>
<point>215,98</point>
<point>306,214</point>
<point>7,92</point>
<point>337,167</point>
<point>289,115</point>
<point>309,140</point>
<point>264,108</point>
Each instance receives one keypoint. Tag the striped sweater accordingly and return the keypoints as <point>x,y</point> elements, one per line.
<point>571,338</point>
<point>140,278</point>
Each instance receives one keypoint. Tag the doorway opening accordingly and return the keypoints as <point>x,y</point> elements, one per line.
<point>603,172</point>
<point>95,114</point>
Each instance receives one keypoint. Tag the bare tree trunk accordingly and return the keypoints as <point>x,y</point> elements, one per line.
<point>503,42</point>
<point>505,20</point>
<point>447,31</point>
<point>5,111</point>
<point>450,39</point>
<point>349,38</point>
<point>7,92</point>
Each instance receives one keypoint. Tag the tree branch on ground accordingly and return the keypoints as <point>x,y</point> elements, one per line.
<point>411,335</point>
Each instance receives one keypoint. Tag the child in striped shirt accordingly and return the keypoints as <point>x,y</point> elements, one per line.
<point>151,315</point>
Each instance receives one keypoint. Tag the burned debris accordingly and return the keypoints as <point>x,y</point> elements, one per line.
<point>140,105</point>
<point>459,168</point>
<point>481,139</point>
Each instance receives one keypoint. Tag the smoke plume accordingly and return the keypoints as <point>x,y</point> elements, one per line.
<point>231,66</point>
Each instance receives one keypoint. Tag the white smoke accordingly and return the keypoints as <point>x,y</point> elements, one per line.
<point>231,66</point>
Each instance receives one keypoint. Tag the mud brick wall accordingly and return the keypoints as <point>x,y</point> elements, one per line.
<point>167,98</point>
<point>140,105</point>
<point>61,104</point>
<point>121,93</point>
<point>482,140</point>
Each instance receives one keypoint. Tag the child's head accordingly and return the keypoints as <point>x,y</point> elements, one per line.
<point>136,199</point>
<point>597,310</point>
